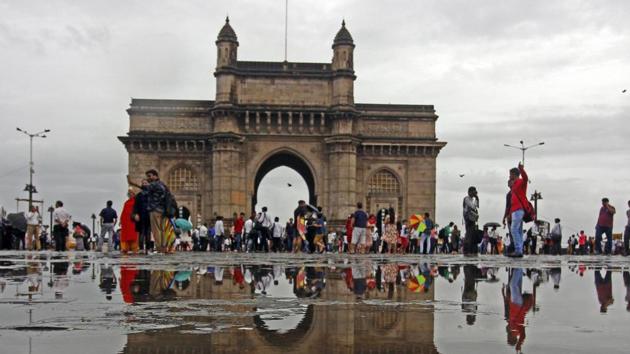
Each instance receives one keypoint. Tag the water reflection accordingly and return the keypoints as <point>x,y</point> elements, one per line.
<point>338,306</point>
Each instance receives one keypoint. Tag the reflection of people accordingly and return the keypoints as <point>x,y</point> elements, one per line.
<point>108,281</point>
<point>520,303</point>
<point>626,282</point>
<point>604,290</point>
<point>555,274</point>
<point>469,294</point>
<point>359,282</point>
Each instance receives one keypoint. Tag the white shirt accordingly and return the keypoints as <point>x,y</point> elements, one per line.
<point>557,230</point>
<point>492,234</point>
<point>203,231</point>
<point>61,216</point>
<point>278,230</point>
<point>249,225</point>
<point>265,220</point>
<point>32,218</point>
<point>218,228</point>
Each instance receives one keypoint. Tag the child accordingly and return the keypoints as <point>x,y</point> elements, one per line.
<point>78,235</point>
<point>319,236</point>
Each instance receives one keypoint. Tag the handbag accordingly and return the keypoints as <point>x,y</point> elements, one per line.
<point>530,213</point>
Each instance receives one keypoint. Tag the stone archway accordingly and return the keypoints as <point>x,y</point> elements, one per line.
<point>288,159</point>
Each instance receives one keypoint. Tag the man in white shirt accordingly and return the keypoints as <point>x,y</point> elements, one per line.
<point>263,226</point>
<point>219,233</point>
<point>203,237</point>
<point>492,238</point>
<point>61,218</point>
<point>33,220</point>
<point>248,234</point>
<point>277,231</point>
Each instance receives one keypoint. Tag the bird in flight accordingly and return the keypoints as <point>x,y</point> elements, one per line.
<point>624,91</point>
<point>462,176</point>
<point>289,184</point>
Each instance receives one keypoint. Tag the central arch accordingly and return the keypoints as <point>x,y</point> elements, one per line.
<point>291,160</point>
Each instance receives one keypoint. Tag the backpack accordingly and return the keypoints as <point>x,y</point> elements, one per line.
<point>170,204</point>
<point>442,233</point>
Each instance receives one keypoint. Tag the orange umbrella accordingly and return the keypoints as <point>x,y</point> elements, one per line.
<point>415,220</point>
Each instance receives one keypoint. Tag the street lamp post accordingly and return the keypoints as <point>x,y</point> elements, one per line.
<point>30,188</point>
<point>535,198</point>
<point>524,148</point>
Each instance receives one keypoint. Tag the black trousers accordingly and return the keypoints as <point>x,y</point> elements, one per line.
<point>60,233</point>
<point>470,240</point>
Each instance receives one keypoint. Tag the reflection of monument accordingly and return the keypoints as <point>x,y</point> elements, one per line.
<point>336,323</point>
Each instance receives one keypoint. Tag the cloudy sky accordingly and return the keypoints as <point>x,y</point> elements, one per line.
<point>496,71</point>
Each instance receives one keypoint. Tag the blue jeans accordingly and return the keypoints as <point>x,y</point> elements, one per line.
<point>516,284</point>
<point>517,230</point>
<point>599,231</point>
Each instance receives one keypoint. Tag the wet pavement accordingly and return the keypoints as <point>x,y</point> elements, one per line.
<point>266,303</point>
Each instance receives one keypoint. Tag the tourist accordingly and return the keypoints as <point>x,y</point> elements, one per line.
<point>471,217</point>
<point>289,232</point>
<point>492,240</point>
<point>156,205</point>
<point>426,234</point>
<point>518,206</point>
<point>404,237</point>
<point>604,227</point>
<point>203,237</point>
<point>78,234</point>
<point>556,238</point>
<point>33,220</point>
<point>128,234</point>
<point>277,231</point>
<point>455,239</point>
<point>219,234</point>
<point>239,223</point>
<point>318,241</point>
<point>348,233</point>
<point>370,231</point>
<point>626,235</point>
<point>61,219</point>
<point>108,220</point>
<point>359,233</point>
<point>390,234</point>
<point>483,246</point>
<point>249,234</point>
<point>433,237</point>
<point>142,218</point>
<point>582,242</point>
<point>263,227</point>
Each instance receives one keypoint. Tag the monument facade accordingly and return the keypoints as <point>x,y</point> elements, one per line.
<point>214,154</point>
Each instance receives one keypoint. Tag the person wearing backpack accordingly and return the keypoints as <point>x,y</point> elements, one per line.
<point>156,206</point>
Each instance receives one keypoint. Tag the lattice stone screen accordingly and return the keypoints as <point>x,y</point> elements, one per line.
<point>183,179</point>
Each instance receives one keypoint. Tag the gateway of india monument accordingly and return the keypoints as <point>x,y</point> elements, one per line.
<point>213,154</point>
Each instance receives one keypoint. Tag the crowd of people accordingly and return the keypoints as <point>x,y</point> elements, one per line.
<point>152,222</point>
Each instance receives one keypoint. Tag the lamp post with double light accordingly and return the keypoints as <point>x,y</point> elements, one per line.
<point>524,148</point>
<point>30,188</point>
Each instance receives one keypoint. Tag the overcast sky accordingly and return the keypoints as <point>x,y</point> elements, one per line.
<point>496,71</point>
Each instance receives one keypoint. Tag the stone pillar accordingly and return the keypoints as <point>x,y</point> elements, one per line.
<point>228,179</point>
<point>342,177</point>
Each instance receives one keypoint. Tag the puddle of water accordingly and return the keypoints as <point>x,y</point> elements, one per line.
<point>64,303</point>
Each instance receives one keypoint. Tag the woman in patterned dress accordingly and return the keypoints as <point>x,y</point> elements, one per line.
<point>390,234</point>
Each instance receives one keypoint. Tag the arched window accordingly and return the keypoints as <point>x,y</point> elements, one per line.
<point>384,182</point>
<point>183,179</point>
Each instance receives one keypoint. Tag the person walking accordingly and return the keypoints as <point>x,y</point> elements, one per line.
<point>582,242</point>
<point>289,231</point>
<point>359,229</point>
<point>492,239</point>
<point>519,179</point>
<point>604,227</point>
<point>390,234</point>
<point>61,218</point>
<point>263,226</point>
<point>33,220</point>
<point>109,218</point>
<point>471,217</point>
<point>556,238</point>
<point>455,239</point>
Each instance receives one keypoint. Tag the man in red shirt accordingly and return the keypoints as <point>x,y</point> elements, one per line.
<point>238,231</point>
<point>604,226</point>
<point>518,181</point>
